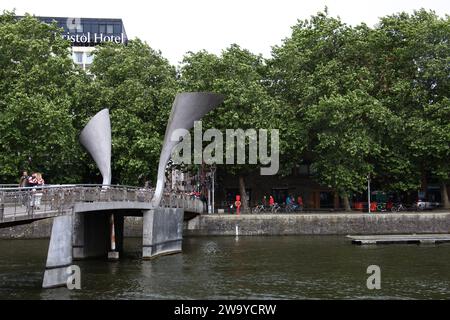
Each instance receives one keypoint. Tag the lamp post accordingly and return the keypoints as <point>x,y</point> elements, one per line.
<point>368,192</point>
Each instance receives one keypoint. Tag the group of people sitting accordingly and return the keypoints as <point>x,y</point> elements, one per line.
<point>289,201</point>
<point>35,180</point>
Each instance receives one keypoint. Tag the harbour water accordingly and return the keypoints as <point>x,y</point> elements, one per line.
<point>284,267</point>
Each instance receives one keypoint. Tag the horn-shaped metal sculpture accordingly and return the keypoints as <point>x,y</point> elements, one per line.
<point>187,108</point>
<point>96,138</point>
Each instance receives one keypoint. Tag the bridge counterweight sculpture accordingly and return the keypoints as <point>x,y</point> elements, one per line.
<point>163,228</point>
<point>83,228</point>
<point>96,138</point>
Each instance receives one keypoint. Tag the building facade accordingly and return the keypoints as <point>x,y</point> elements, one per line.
<point>85,34</point>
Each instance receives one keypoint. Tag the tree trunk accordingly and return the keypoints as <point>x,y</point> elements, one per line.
<point>336,201</point>
<point>444,196</point>
<point>346,202</point>
<point>244,203</point>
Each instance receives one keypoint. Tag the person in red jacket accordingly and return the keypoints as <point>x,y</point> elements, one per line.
<point>271,201</point>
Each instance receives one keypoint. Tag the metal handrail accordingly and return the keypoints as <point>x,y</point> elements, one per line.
<point>50,186</point>
<point>51,200</point>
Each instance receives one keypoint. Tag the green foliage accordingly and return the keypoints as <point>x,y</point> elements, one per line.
<point>36,130</point>
<point>239,75</point>
<point>347,138</point>
<point>138,86</point>
<point>350,100</point>
<point>412,67</point>
<point>335,77</point>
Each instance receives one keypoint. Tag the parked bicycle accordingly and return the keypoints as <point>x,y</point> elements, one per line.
<point>275,208</point>
<point>398,207</point>
<point>260,208</point>
<point>292,207</point>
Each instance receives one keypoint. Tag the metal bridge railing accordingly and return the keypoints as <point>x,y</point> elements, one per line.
<point>34,202</point>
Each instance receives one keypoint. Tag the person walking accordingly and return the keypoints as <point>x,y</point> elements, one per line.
<point>23,182</point>
<point>39,180</point>
<point>32,181</point>
<point>36,181</point>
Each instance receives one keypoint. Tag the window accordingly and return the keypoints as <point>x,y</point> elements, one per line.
<point>89,58</point>
<point>78,57</point>
<point>326,200</point>
<point>117,28</point>
<point>106,28</point>
<point>74,25</point>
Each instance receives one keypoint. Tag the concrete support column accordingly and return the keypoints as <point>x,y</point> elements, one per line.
<point>59,255</point>
<point>78,238</point>
<point>162,232</point>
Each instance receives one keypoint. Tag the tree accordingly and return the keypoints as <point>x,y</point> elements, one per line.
<point>348,132</point>
<point>138,85</point>
<point>240,76</point>
<point>411,68</point>
<point>400,68</point>
<point>36,128</point>
<point>323,63</point>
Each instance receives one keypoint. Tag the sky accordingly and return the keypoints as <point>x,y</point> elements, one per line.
<point>175,26</point>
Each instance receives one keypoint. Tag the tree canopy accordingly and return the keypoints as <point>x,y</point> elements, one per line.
<point>36,80</point>
<point>352,101</point>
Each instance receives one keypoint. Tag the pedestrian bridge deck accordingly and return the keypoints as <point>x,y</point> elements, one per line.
<point>24,205</point>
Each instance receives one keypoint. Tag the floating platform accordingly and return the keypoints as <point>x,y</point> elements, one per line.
<point>400,238</point>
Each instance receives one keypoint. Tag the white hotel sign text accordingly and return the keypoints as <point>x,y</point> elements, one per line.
<point>88,37</point>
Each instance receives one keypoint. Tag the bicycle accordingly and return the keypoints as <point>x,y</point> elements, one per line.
<point>290,208</point>
<point>259,208</point>
<point>275,208</point>
<point>398,207</point>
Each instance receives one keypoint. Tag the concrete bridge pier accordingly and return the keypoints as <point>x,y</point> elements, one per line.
<point>59,255</point>
<point>162,232</point>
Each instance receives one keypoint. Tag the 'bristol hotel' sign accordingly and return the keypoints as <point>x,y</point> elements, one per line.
<point>76,35</point>
<point>93,38</point>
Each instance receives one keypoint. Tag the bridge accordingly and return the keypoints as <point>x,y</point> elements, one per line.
<point>88,219</point>
<point>26,205</point>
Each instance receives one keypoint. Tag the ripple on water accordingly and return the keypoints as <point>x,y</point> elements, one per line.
<point>293,267</point>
